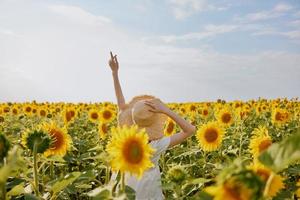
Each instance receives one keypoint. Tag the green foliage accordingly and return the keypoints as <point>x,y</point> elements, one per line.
<point>282,154</point>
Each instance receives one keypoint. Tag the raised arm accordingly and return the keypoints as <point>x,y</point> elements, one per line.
<point>114,65</point>
<point>187,128</point>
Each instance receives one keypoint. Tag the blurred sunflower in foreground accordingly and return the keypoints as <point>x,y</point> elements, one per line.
<point>260,142</point>
<point>129,150</point>
<point>275,182</point>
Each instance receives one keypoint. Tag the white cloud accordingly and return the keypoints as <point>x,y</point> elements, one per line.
<point>78,14</point>
<point>209,31</point>
<point>282,7</point>
<point>295,23</point>
<point>277,11</point>
<point>293,35</point>
<point>185,8</point>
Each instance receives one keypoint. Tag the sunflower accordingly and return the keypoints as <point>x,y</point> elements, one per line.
<point>69,114</point>
<point>276,183</point>
<point>170,127</point>
<point>225,117</point>
<point>129,150</point>
<point>6,109</point>
<point>260,131</point>
<point>177,174</point>
<point>103,130</point>
<point>259,142</point>
<point>15,110</point>
<point>61,141</point>
<point>205,112</point>
<point>192,107</point>
<point>38,137</point>
<point>42,111</point>
<point>231,189</point>
<point>210,136</point>
<point>94,115</point>
<point>107,115</point>
<point>27,108</point>
<point>280,116</point>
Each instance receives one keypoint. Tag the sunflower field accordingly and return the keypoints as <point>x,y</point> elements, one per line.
<point>241,150</point>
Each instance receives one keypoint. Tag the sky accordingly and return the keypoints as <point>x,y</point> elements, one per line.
<point>177,50</point>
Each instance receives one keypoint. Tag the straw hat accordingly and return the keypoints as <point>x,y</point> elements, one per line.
<point>136,112</point>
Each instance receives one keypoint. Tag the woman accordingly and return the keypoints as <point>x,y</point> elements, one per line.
<point>150,113</point>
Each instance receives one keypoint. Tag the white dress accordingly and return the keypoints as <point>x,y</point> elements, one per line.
<point>149,186</point>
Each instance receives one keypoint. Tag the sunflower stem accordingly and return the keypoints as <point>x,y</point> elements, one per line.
<point>3,191</point>
<point>35,167</point>
<point>107,174</point>
<point>51,170</point>
<point>122,182</point>
<point>241,143</point>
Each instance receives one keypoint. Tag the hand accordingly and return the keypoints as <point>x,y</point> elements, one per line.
<point>113,62</point>
<point>156,106</point>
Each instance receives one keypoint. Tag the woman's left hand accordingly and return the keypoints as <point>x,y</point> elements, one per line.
<point>156,106</point>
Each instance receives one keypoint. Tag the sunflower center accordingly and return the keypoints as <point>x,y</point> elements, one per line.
<point>28,109</point>
<point>193,108</point>
<point>72,113</point>
<point>264,145</point>
<point>278,116</point>
<point>43,113</point>
<point>211,135</point>
<point>58,139</point>
<point>107,114</point>
<point>15,111</point>
<point>69,116</point>
<point>170,127</point>
<point>94,115</point>
<point>133,152</point>
<point>226,117</point>
<point>205,112</point>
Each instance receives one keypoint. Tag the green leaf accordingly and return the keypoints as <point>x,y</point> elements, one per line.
<point>130,193</point>
<point>62,184</point>
<point>102,192</point>
<point>14,162</point>
<point>17,190</point>
<point>279,155</point>
<point>30,197</point>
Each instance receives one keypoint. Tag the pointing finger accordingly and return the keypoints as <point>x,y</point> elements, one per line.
<point>111,56</point>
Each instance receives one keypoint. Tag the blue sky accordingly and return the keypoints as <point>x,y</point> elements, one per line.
<point>178,50</point>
